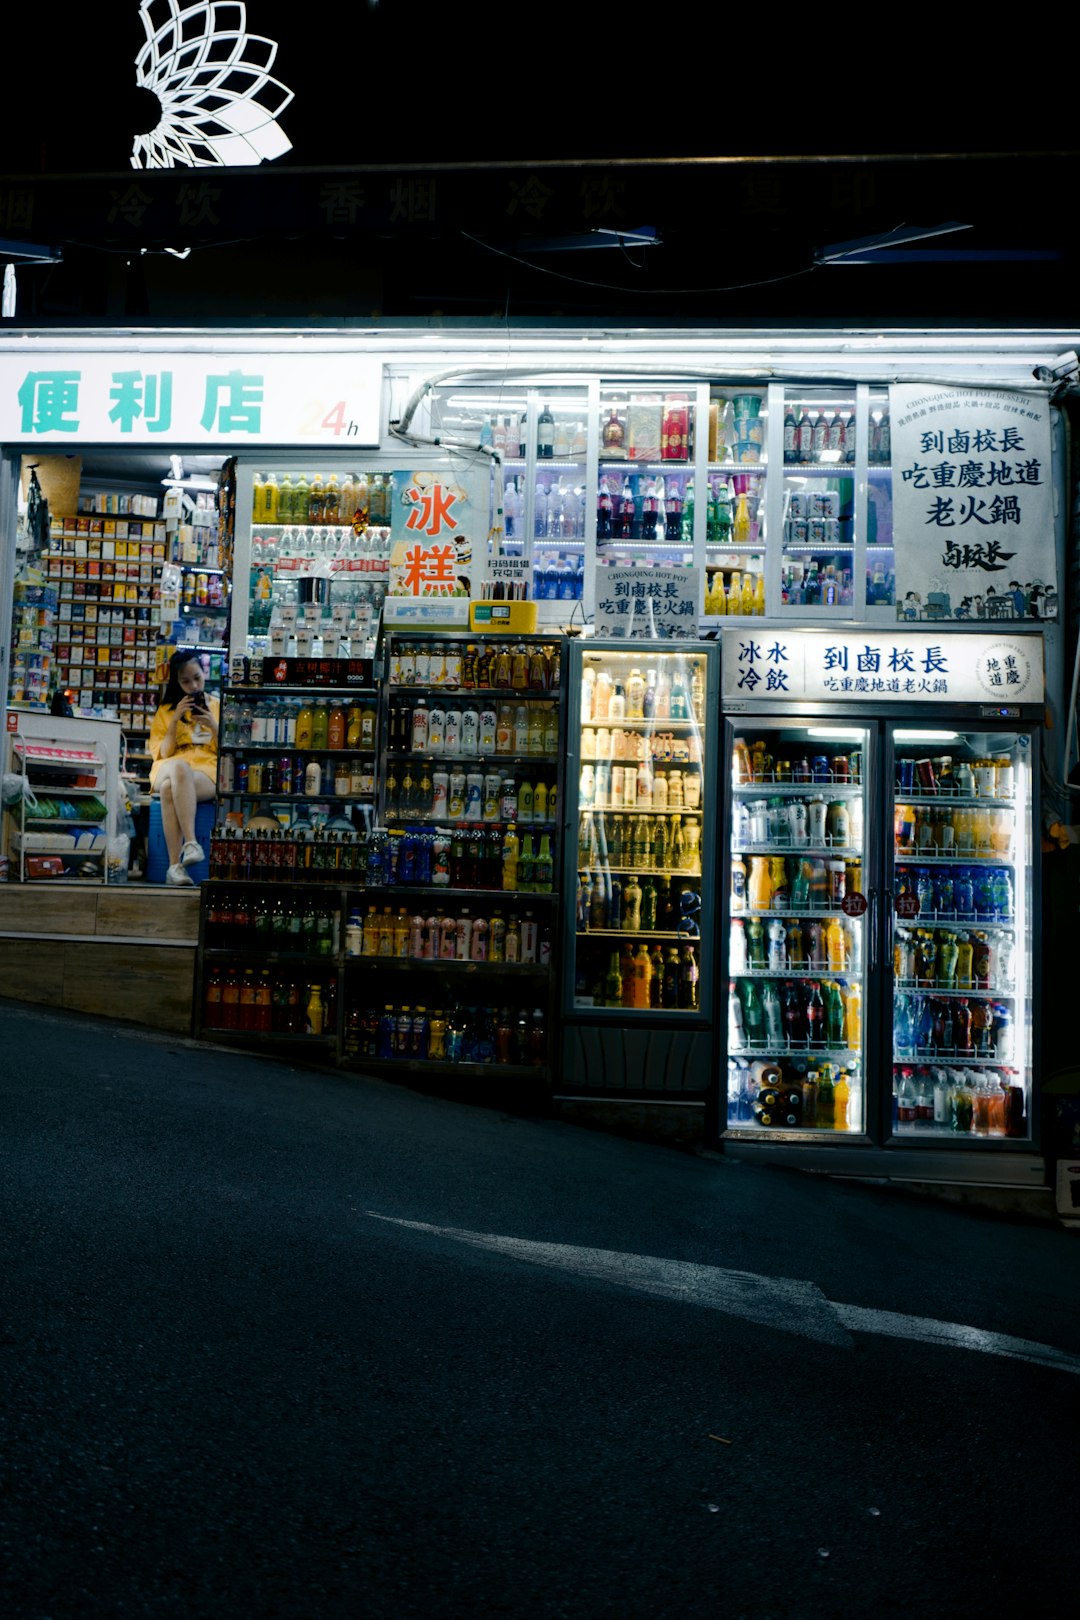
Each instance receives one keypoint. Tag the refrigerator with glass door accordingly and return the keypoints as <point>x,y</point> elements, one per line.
<point>641,808</point>
<point>879,925</point>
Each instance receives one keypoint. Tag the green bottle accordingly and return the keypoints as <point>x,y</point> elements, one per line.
<point>834,1015</point>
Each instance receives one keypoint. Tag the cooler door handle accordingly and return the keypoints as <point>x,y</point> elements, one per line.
<point>874,927</point>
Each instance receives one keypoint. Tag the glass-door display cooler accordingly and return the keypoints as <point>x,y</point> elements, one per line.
<point>962,865</point>
<point>641,809</point>
<point>880,921</point>
<point>798,952</point>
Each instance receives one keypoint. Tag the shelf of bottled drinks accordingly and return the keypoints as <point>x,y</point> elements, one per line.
<point>800,933</point>
<point>779,495</point>
<point>384,878</point>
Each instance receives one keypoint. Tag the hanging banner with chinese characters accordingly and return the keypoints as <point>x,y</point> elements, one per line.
<point>902,666</point>
<point>438,533</point>
<point>152,397</point>
<point>973,520</point>
<point>647,604</point>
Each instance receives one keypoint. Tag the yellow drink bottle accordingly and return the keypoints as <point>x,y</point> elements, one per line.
<point>748,593</point>
<point>759,595</point>
<point>853,1017</point>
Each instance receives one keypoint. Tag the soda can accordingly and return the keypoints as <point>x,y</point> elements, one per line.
<point>840,767</point>
<point>783,770</point>
<point>800,769</point>
<point>798,531</point>
<point>820,768</point>
<point>855,766</point>
<point>905,775</point>
<point>831,528</point>
<point>241,776</point>
<point>797,504</point>
<point>285,774</point>
<point>815,531</point>
<point>924,771</point>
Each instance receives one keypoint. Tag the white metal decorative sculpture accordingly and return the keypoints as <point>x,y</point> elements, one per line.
<point>219,101</point>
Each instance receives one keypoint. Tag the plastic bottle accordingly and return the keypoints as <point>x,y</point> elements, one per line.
<point>853,1018</point>
<point>759,886</point>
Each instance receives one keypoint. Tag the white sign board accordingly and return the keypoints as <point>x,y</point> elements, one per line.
<point>973,519</point>
<point>647,604</point>
<point>871,666</point>
<point>163,398</point>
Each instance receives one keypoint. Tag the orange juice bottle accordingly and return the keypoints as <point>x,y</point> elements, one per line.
<point>853,1017</point>
<point>834,945</point>
<point>981,829</point>
<point>759,887</point>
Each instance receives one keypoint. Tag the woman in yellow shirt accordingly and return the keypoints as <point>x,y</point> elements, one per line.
<point>183,747</point>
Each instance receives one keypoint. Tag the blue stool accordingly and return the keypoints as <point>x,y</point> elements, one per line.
<point>157,854</point>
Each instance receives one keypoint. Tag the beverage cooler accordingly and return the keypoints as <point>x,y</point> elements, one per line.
<point>880,916</point>
<point>638,920</point>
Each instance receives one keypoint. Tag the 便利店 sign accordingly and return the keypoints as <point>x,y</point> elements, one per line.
<point>148,398</point>
<point>972,492</point>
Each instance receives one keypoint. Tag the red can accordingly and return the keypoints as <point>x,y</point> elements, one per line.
<point>840,768</point>
<point>924,770</point>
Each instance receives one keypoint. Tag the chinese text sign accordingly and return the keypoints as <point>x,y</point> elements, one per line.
<point>647,603</point>
<point>973,522</point>
<point>765,666</point>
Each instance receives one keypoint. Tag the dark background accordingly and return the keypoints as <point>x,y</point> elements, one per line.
<point>873,129</point>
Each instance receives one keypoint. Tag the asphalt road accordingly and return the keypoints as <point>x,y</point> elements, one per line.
<point>228,1389</point>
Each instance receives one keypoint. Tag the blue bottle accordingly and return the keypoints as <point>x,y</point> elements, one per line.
<point>387,1034</point>
<point>963,891</point>
<point>984,894</point>
<point>406,871</point>
<point>376,858</point>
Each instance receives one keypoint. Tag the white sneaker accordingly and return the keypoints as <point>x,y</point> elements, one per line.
<point>192,853</point>
<point>177,876</point>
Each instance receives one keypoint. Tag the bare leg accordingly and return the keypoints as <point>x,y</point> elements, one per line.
<point>181,789</point>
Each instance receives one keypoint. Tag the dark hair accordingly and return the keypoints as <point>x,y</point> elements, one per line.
<point>173,690</point>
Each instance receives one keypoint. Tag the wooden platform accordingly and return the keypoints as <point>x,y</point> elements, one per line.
<point>126,952</point>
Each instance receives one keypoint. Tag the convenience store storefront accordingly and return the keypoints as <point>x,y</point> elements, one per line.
<point>614,461</point>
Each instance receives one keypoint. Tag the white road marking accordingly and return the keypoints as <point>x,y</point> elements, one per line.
<point>776,1302</point>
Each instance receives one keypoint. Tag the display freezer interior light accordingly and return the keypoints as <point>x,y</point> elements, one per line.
<point>797,944</point>
<point>637,939</point>
<point>961,935</point>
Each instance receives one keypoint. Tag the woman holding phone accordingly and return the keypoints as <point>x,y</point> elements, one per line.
<point>183,748</point>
